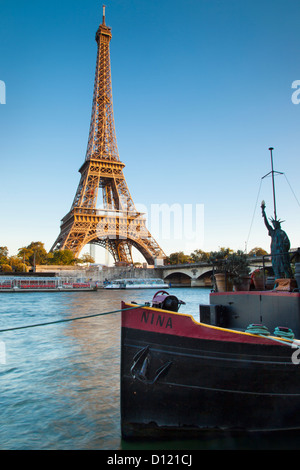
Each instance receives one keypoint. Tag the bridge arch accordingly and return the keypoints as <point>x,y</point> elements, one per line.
<point>178,279</point>
<point>192,275</point>
<point>205,279</point>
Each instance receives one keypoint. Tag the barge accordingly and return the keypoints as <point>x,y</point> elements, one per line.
<point>237,369</point>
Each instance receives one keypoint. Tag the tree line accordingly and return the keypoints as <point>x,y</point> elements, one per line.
<point>35,254</point>
<point>199,256</point>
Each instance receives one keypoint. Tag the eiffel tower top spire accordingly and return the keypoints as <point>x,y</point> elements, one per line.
<point>103,16</point>
<point>102,141</point>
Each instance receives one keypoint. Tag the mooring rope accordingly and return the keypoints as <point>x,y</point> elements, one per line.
<point>284,332</point>
<point>70,319</point>
<point>263,332</point>
<point>257,329</point>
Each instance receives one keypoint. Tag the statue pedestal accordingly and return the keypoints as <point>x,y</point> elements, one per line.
<point>285,285</point>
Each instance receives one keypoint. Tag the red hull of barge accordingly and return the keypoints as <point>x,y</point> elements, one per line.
<point>180,377</point>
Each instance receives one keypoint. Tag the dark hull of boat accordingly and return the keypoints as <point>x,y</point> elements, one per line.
<point>180,377</point>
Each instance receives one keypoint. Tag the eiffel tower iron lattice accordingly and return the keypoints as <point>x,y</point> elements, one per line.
<point>118,226</point>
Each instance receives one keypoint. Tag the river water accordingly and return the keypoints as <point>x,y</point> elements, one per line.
<point>60,383</point>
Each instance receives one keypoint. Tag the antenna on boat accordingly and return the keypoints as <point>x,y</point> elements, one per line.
<point>273,181</point>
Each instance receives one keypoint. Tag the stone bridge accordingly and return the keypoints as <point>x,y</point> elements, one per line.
<point>181,275</point>
<point>196,274</point>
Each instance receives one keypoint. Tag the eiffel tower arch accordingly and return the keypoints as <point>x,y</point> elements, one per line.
<point>118,226</point>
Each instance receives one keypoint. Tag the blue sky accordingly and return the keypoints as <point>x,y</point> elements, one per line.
<point>201,89</point>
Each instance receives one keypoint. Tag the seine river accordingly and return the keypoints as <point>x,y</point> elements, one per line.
<point>60,383</point>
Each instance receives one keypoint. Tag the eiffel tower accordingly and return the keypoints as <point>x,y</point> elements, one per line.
<point>118,226</point>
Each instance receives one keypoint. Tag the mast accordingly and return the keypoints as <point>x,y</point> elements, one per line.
<point>272,172</point>
<point>273,183</point>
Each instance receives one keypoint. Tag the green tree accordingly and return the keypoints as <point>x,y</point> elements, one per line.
<point>3,255</point>
<point>5,268</point>
<point>33,254</point>
<point>257,252</point>
<point>178,258</point>
<point>16,264</point>
<point>85,258</point>
<point>199,255</point>
<point>217,256</point>
<point>62,257</point>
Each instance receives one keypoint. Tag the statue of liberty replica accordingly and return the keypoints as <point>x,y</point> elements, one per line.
<point>280,245</point>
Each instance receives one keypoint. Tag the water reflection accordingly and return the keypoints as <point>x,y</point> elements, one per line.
<point>60,384</point>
